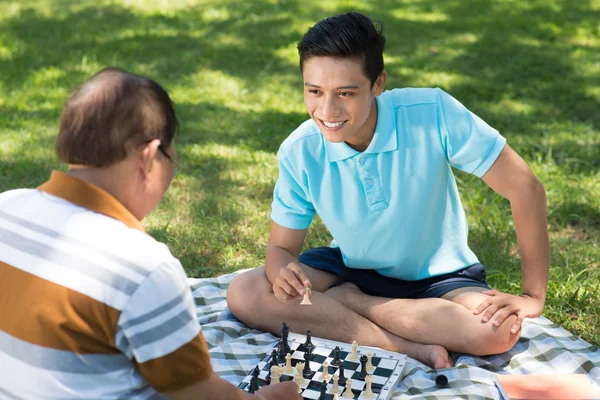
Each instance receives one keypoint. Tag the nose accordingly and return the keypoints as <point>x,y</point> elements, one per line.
<point>329,107</point>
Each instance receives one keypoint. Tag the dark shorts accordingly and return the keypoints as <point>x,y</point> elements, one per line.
<point>373,283</point>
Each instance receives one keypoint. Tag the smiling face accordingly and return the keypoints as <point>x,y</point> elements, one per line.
<point>341,100</point>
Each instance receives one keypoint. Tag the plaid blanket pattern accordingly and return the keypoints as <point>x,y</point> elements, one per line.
<point>544,348</point>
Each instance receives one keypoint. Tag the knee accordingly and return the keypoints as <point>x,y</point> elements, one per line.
<point>496,340</point>
<point>244,293</point>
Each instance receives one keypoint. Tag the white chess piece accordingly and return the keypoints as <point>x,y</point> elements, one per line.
<point>288,364</point>
<point>370,368</point>
<point>348,393</point>
<point>354,355</point>
<point>325,374</point>
<point>368,393</point>
<point>300,366</point>
<point>275,374</point>
<point>298,379</point>
<point>336,397</point>
<point>335,388</point>
<point>306,300</point>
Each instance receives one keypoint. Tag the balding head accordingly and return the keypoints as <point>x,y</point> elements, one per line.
<point>110,115</point>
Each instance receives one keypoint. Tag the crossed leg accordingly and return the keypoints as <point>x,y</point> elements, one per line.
<point>423,329</point>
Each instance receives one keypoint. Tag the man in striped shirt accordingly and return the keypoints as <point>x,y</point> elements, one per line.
<point>90,305</point>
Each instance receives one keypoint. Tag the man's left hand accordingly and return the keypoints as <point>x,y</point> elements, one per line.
<point>502,305</point>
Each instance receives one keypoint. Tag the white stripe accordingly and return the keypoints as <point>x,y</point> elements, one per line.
<point>26,381</point>
<point>168,344</point>
<point>83,252</point>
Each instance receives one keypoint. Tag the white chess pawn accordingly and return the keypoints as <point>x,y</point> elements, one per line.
<point>306,300</point>
<point>298,381</point>
<point>354,355</point>
<point>370,368</point>
<point>335,388</point>
<point>300,366</point>
<point>348,393</point>
<point>288,364</point>
<point>368,393</point>
<point>325,374</point>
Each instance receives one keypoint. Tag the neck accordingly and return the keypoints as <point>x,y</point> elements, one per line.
<point>363,137</point>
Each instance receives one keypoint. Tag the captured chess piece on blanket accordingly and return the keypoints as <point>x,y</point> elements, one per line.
<point>323,368</point>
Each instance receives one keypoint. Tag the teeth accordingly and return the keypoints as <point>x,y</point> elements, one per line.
<point>332,125</point>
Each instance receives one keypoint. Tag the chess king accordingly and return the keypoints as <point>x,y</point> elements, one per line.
<point>377,167</point>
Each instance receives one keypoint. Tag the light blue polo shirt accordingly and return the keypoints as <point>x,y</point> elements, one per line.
<point>394,207</point>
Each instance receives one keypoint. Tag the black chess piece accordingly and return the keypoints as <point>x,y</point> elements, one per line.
<point>336,357</point>
<point>363,367</point>
<point>281,352</point>
<point>309,344</point>
<point>273,358</point>
<point>253,384</point>
<point>306,372</point>
<point>441,381</point>
<point>285,331</point>
<point>343,379</point>
<point>323,395</point>
<point>255,372</point>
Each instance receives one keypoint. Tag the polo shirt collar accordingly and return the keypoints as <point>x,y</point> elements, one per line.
<point>89,196</point>
<point>384,139</point>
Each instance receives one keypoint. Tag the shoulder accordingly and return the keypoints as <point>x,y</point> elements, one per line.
<point>407,97</point>
<point>305,136</point>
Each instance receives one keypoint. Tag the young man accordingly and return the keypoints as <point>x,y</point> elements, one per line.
<point>376,167</point>
<point>92,307</point>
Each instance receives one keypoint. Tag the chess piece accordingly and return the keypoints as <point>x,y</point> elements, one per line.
<point>281,352</point>
<point>285,332</point>
<point>306,372</point>
<point>275,374</point>
<point>348,392</point>
<point>299,379</point>
<point>288,364</point>
<point>299,366</point>
<point>368,393</point>
<point>335,388</point>
<point>274,358</point>
<point>323,391</point>
<point>341,374</point>
<point>306,299</point>
<point>336,357</point>
<point>363,367</point>
<point>325,374</point>
<point>253,384</point>
<point>370,368</point>
<point>308,345</point>
<point>441,381</point>
<point>336,397</point>
<point>354,355</point>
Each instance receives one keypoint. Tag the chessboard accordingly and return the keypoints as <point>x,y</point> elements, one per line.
<point>385,373</point>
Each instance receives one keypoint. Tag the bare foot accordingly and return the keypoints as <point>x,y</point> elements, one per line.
<point>433,355</point>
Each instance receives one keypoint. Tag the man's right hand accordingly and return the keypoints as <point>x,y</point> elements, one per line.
<point>280,391</point>
<point>290,283</point>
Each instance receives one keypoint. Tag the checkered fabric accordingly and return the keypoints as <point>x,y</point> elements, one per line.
<point>544,348</point>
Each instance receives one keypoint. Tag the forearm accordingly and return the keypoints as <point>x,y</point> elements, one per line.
<point>277,258</point>
<point>530,217</point>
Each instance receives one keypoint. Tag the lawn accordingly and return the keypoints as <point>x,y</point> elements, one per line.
<point>530,68</point>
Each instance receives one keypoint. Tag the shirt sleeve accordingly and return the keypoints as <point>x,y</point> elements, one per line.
<point>471,145</point>
<point>159,330</point>
<point>291,207</point>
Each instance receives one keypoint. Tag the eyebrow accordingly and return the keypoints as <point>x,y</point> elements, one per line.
<point>338,88</point>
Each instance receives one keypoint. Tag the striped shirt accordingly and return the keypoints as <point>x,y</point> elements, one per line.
<point>90,305</point>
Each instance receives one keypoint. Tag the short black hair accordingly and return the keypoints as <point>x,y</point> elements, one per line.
<point>350,35</point>
<point>112,114</point>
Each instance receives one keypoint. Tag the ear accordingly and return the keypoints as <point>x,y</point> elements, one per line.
<point>147,157</point>
<point>379,84</point>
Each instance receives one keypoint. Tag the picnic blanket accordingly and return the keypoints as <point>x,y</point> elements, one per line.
<point>544,348</point>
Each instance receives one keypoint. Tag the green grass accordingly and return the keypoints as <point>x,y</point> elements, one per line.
<point>529,68</point>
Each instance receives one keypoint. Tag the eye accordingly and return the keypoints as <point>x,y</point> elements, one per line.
<point>314,91</point>
<point>346,94</point>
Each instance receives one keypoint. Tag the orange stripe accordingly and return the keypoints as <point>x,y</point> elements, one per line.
<point>89,196</point>
<point>187,365</point>
<point>50,315</point>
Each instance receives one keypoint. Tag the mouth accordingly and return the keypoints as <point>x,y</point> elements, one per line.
<point>333,125</point>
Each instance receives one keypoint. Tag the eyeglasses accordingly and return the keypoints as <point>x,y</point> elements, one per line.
<point>176,167</point>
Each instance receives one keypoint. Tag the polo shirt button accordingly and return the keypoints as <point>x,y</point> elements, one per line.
<point>369,182</point>
<point>362,160</point>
